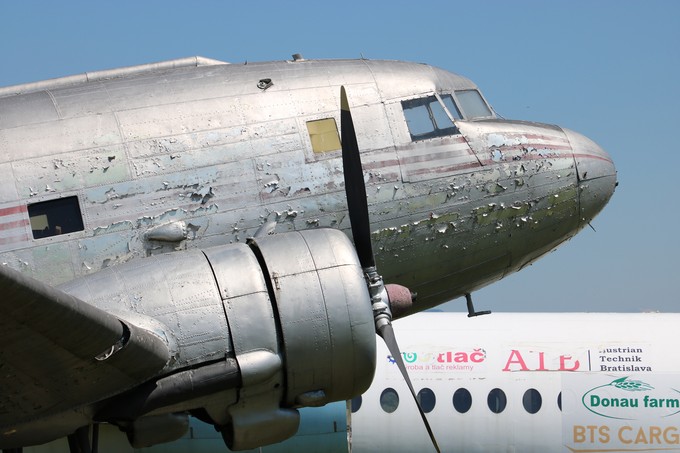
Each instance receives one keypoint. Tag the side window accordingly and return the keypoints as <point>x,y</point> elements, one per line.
<point>426,117</point>
<point>55,217</point>
<point>559,401</point>
<point>389,400</point>
<point>497,401</point>
<point>462,400</point>
<point>356,403</point>
<point>324,135</point>
<point>472,104</point>
<point>426,399</point>
<point>532,401</point>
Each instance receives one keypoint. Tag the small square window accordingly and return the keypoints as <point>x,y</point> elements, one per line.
<point>324,135</point>
<point>55,217</point>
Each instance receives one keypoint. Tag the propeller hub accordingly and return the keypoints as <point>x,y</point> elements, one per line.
<point>400,298</point>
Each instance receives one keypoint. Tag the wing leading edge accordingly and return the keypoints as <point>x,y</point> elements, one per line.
<point>59,355</point>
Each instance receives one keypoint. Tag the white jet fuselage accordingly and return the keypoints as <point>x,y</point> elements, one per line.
<point>527,382</point>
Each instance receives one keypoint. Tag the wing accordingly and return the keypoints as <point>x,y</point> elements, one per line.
<point>59,354</point>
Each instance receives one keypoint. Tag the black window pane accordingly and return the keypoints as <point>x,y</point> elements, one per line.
<point>532,401</point>
<point>462,400</point>
<point>426,399</point>
<point>54,217</point>
<point>356,403</point>
<point>559,400</point>
<point>497,401</point>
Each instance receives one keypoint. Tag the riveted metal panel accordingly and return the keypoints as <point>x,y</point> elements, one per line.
<point>326,319</point>
<point>48,139</point>
<point>246,299</point>
<point>27,109</point>
<point>178,290</point>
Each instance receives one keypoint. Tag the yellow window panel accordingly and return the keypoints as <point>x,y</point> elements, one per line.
<point>39,222</point>
<point>324,135</point>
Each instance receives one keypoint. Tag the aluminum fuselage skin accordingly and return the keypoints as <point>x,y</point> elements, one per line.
<point>168,159</point>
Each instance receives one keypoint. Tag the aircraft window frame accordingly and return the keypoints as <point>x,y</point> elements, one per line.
<point>497,401</point>
<point>389,400</point>
<point>473,104</point>
<point>55,217</point>
<point>451,106</point>
<point>428,117</point>
<point>532,400</point>
<point>462,400</point>
<point>427,399</point>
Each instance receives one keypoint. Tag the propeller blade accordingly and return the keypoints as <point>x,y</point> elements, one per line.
<point>355,189</point>
<point>387,333</point>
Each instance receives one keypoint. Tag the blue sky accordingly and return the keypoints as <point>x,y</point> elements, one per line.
<point>608,69</point>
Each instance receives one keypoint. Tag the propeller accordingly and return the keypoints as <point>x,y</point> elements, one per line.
<point>355,190</point>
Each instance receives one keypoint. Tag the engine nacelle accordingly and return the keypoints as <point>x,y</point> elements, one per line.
<point>282,322</point>
<point>306,341</point>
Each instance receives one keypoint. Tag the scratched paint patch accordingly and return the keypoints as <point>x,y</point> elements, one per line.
<point>70,171</point>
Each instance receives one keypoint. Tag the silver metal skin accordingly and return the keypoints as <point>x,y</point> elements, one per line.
<point>289,313</point>
<point>207,151</point>
<point>174,166</point>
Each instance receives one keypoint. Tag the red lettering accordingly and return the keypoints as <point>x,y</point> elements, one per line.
<point>541,362</point>
<point>477,357</point>
<point>563,363</point>
<point>515,359</point>
<point>461,357</point>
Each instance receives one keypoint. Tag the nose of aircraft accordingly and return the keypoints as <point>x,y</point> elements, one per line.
<point>596,175</point>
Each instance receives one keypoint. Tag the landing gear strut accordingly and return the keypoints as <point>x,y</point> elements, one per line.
<point>79,441</point>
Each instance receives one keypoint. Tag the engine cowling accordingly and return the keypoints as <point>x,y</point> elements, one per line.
<point>282,322</point>
<point>307,341</point>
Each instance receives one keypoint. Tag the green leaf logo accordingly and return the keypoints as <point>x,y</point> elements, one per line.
<point>631,386</point>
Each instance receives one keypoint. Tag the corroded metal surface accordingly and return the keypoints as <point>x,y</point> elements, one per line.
<point>169,159</point>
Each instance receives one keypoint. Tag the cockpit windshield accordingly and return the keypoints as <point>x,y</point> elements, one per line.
<point>427,118</point>
<point>472,104</point>
<point>434,115</point>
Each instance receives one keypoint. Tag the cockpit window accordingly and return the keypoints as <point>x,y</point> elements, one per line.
<point>427,118</point>
<point>472,104</point>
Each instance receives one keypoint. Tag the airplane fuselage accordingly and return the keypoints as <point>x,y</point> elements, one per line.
<point>157,159</point>
<point>136,191</point>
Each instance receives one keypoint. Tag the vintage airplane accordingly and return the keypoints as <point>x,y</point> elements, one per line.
<point>263,305</point>
<point>520,382</point>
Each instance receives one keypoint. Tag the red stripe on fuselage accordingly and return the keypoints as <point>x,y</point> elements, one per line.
<point>13,210</point>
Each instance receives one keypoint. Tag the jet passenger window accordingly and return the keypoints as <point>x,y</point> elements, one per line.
<point>462,400</point>
<point>356,403</point>
<point>473,105</point>
<point>426,117</point>
<point>55,217</point>
<point>532,401</point>
<point>426,399</point>
<point>497,401</point>
<point>389,400</point>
